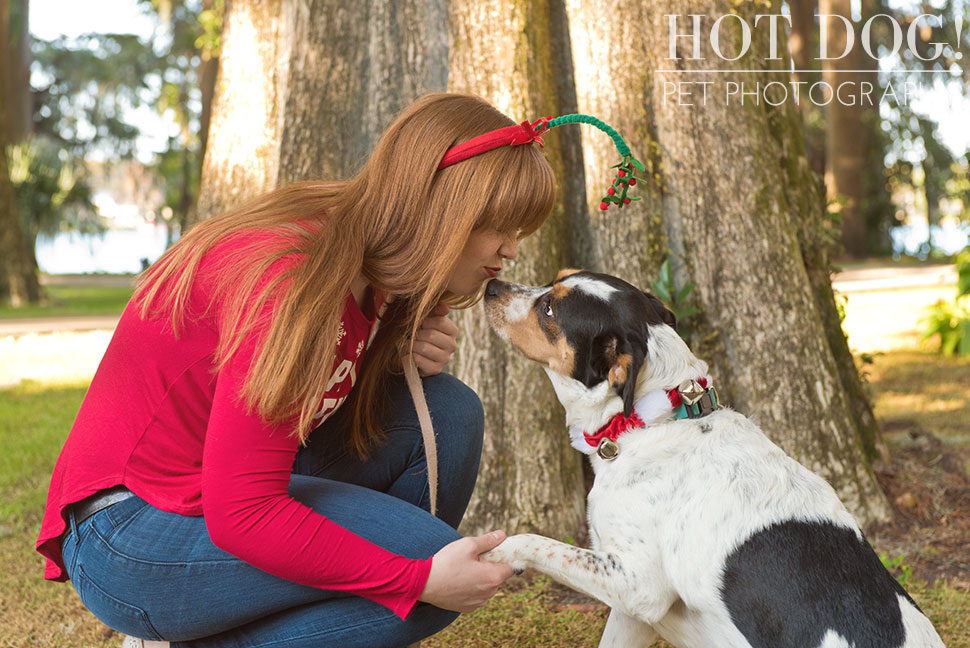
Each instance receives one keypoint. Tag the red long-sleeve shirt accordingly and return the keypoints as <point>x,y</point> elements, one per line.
<point>158,419</point>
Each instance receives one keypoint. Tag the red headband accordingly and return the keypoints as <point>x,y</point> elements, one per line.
<point>524,133</point>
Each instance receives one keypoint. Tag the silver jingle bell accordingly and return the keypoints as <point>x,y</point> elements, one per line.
<point>690,391</point>
<point>607,449</point>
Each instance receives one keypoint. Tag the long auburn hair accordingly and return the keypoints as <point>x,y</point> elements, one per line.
<point>400,223</point>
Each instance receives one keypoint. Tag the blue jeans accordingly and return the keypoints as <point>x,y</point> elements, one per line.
<point>157,575</point>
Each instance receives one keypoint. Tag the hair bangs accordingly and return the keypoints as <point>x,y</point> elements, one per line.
<point>522,194</point>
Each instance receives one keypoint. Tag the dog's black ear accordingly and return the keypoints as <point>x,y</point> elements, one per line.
<point>619,359</point>
<point>666,315</point>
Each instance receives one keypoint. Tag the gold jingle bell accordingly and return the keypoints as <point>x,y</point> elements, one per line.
<point>607,449</point>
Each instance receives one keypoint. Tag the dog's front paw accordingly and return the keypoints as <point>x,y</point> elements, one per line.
<point>511,552</point>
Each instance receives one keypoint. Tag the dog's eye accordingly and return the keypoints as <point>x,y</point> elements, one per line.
<point>547,309</point>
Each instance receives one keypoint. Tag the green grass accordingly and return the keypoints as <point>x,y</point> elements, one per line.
<point>533,617</point>
<point>74,300</point>
<point>34,420</point>
<point>919,388</point>
<point>529,616</point>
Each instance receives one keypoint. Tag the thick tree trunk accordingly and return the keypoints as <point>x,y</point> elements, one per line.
<point>629,242</point>
<point>735,193</point>
<point>242,159</point>
<point>846,143</point>
<point>305,89</point>
<point>531,480</point>
<point>19,275</point>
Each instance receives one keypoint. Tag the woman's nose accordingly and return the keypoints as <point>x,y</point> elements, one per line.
<point>510,248</point>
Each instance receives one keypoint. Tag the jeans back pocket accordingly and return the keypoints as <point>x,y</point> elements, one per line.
<point>114,613</point>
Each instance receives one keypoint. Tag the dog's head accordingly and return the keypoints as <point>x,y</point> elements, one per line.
<point>587,326</point>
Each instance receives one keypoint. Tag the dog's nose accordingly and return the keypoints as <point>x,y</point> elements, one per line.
<point>493,287</point>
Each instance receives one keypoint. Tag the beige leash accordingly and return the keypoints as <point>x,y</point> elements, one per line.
<point>424,419</point>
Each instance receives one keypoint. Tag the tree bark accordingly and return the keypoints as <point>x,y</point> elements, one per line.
<point>531,479</point>
<point>18,274</point>
<point>18,97</point>
<point>305,89</point>
<point>629,242</point>
<point>242,160</point>
<point>845,141</point>
<point>803,44</point>
<point>735,193</point>
<point>208,72</point>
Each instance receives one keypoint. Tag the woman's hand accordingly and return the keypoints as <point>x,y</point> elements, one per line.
<point>436,342</point>
<point>459,580</point>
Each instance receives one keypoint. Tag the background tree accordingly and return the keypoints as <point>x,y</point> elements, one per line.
<point>186,47</point>
<point>918,161</point>
<point>847,137</point>
<point>18,279</point>
<point>295,102</point>
<point>87,88</point>
<point>50,194</point>
<point>803,48</point>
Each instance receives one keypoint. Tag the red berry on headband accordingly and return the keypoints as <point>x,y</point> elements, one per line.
<point>621,173</point>
<point>611,191</point>
<point>626,201</point>
<point>604,206</point>
<point>633,181</point>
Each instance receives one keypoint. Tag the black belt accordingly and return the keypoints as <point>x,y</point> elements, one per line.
<point>98,502</point>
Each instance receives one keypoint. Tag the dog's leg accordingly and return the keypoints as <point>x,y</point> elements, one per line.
<point>623,631</point>
<point>596,573</point>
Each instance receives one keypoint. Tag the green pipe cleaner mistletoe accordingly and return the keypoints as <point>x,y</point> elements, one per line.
<point>624,179</point>
<point>625,170</point>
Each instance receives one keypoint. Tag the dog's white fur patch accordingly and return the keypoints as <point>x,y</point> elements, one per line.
<point>590,286</point>
<point>833,639</point>
<point>521,303</point>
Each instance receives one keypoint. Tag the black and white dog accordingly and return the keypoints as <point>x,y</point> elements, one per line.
<point>702,529</point>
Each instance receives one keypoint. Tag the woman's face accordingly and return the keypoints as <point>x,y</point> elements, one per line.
<point>481,259</point>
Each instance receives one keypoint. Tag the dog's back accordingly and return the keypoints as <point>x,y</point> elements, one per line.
<point>752,539</point>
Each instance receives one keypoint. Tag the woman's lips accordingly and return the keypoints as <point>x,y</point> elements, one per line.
<point>492,272</point>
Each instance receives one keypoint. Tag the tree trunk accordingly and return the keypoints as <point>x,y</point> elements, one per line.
<point>242,159</point>
<point>19,276</point>
<point>735,194</point>
<point>845,141</point>
<point>803,45</point>
<point>531,479</point>
<point>629,242</point>
<point>18,97</point>
<point>305,89</point>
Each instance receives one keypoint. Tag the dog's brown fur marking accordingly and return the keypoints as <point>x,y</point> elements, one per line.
<point>620,369</point>
<point>559,291</point>
<point>565,272</point>
<point>544,345</point>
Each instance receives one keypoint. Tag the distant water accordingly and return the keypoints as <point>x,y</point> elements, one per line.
<point>117,251</point>
<point>910,239</point>
<point>122,250</point>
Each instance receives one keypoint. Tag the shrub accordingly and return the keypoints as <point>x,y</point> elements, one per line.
<point>951,320</point>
